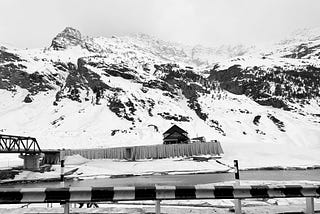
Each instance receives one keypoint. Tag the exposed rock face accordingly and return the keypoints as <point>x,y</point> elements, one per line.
<point>229,79</point>
<point>13,75</point>
<point>190,84</point>
<point>68,37</point>
<point>277,122</point>
<point>8,57</point>
<point>271,87</point>
<point>274,102</point>
<point>90,45</point>
<point>28,99</point>
<point>256,120</point>
<point>303,50</point>
<point>175,117</point>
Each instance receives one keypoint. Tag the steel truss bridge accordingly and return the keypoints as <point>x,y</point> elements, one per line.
<point>19,144</point>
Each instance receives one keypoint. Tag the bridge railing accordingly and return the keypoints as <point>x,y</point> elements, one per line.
<point>157,193</point>
<point>18,144</point>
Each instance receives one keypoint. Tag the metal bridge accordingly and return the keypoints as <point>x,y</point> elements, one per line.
<point>19,144</point>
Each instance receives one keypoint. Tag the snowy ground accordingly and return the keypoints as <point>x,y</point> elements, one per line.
<point>107,168</point>
<point>282,158</point>
<point>82,125</point>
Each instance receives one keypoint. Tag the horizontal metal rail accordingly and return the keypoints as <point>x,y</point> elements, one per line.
<point>100,194</point>
<point>15,136</point>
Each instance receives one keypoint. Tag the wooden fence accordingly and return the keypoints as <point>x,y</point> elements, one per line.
<point>148,152</point>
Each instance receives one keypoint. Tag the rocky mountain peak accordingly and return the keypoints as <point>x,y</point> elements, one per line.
<point>68,37</point>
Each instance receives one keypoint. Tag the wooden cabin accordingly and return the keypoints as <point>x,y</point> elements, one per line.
<point>175,135</point>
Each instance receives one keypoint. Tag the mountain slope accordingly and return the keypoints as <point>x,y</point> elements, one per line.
<point>86,92</point>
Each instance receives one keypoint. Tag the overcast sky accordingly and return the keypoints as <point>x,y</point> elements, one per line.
<point>33,23</point>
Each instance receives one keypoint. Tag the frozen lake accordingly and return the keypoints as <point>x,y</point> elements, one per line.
<point>275,175</point>
<point>272,175</point>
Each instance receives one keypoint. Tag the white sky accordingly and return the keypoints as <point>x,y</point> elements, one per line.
<point>33,23</point>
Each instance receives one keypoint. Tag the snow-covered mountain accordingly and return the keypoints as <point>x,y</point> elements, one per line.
<point>83,92</point>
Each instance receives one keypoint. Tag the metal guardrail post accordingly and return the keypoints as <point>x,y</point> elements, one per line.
<point>237,202</point>
<point>237,206</point>
<point>158,211</point>
<point>62,171</point>
<point>310,205</point>
<point>66,208</point>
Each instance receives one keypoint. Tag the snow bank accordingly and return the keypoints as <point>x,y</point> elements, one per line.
<point>144,167</point>
<point>75,160</point>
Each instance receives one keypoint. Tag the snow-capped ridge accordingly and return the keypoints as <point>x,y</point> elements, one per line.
<point>144,44</point>
<point>302,35</point>
<point>68,37</point>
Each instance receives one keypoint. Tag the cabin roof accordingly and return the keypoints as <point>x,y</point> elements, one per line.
<point>175,128</point>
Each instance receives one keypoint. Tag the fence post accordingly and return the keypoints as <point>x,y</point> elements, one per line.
<point>237,202</point>
<point>236,166</point>
<point>310,205</point>
<point>158,211</point>
<point>66,206</point>
<point>62,171</point>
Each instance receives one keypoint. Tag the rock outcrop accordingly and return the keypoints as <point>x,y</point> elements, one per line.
<point>68,37</point>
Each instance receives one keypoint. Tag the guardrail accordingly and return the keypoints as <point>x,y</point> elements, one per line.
<point>157,193</point>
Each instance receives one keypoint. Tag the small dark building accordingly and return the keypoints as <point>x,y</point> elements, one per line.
<point>198,140</point>
<point>175,135</point>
